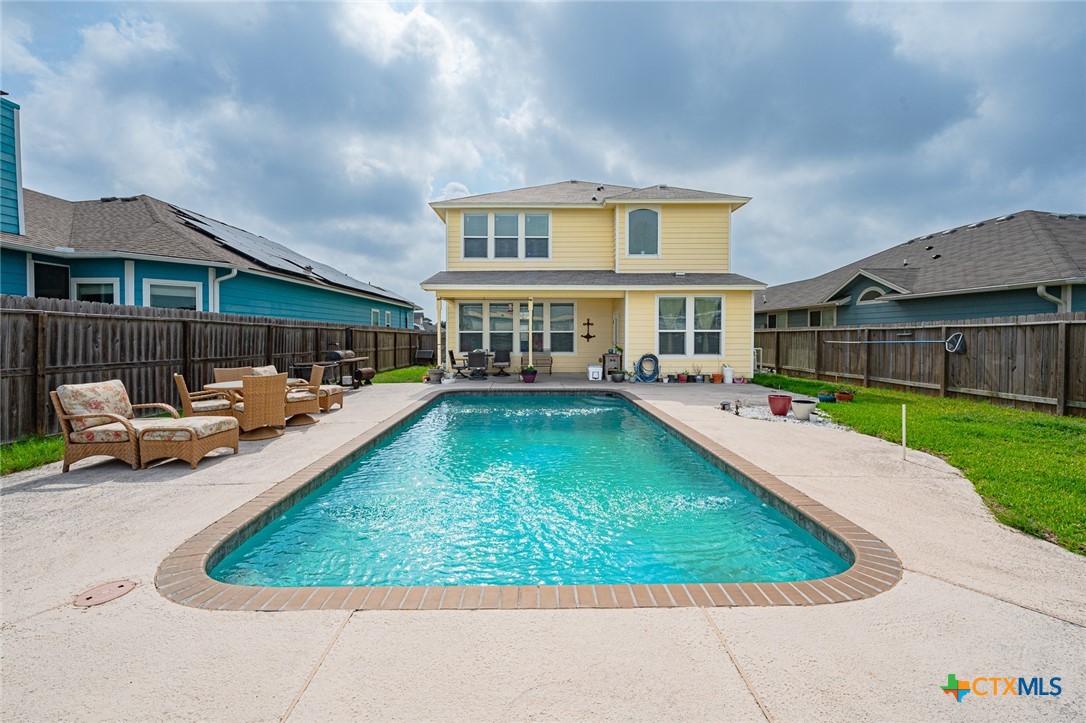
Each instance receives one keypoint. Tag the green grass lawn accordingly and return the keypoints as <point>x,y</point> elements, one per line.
<point>30,453</point>
<point>401,376</point>
<point>1029,467</point>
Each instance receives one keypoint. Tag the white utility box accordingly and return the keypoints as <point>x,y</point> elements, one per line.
<point>595,372</point>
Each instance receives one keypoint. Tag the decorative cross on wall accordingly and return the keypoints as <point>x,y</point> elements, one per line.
<point>588,335</point>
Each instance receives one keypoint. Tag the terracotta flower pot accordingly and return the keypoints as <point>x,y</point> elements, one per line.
<point>779,404</point>
<point>844,396</point>
<point>718,378</point>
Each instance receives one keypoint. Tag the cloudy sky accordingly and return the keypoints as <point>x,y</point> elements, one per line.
<point>329,127</point>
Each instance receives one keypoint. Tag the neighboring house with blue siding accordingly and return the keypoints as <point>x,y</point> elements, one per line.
<point>1024,263</point>
<point>145,252</point>
<point>11,219</point>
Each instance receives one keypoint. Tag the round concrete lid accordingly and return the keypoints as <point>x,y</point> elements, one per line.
<point>103,593</point>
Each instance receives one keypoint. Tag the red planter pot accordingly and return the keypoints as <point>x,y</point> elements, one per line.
<point>843,396</point>
<point>779,404</point>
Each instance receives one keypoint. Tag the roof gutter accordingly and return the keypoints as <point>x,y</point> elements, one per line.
<point>1061,304</point>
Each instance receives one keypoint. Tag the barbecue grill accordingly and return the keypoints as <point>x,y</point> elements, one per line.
<point>348,362</point>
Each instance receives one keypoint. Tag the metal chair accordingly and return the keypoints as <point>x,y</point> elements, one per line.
<point>477,361</point>
<point>501,362</point>
<point>457,367</point>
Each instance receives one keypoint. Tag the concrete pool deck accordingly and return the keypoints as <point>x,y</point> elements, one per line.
<point>976,600</point>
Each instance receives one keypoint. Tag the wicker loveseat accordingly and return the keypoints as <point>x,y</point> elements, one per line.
<point>99,419</point>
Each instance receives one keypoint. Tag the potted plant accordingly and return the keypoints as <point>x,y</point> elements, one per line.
<point>697,375</point>
<point>631,376</point>
<point>779,404</point>
<point>527,374</point>
<point>845,394</point>
<point>801,408</point>
<point>618,375</point>
<point>681,377</point>
<point>826,395</point>
<point>718,378</point>
<point>671,379</point>
<point>436,375</point>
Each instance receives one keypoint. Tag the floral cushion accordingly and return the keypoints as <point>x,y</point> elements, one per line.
<point>109,396</point>
<point>268,371</point>
<point>112,432</point>
<point>301,396</point>
<point>209,405</point>
<point>328,390</point>
<point>179,429</point>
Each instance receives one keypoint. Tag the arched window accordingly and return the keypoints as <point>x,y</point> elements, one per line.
<point>643,232</point>
<point>869,295</point>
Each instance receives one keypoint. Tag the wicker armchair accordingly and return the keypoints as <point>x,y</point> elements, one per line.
<point>305,400</point>
<point>208,403</point>
<point>99,419</point>
<point>231,374</point>
<point>262,414</point>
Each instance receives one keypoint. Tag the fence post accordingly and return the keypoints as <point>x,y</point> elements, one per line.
<point>865,349</point>
<point>41,411</point>
<point>945,366</point>
<point>269,347</point>
<point>777,351</point>
<point>186,353</point>
<point>1061,368</point>
<point>817,353</point>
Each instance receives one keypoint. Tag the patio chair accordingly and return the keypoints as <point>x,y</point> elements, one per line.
<point>231,374</point>
<point>208,403</point>
<point>305,400</point>
<point>457,367</point>
<point>542,360</point>
<point>477,362</point>
<point>265,371</point>
<point>501,362</point>
<point>99,419</point>
<point>262,413</point>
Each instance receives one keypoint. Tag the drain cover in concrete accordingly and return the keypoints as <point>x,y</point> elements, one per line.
<point>104,593</point>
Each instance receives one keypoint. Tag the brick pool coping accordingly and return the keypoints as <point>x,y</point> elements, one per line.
<point>183,575</point>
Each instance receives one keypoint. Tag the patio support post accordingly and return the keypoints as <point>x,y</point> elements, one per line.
<point>531,302</point>
<point>440,359</point>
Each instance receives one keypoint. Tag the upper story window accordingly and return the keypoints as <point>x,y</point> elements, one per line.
<point>105,291</point>
<point>814,317</point>
<point>771,321</point>
<point>507,235</point>
<point>375,317</point>
<point>169,294</point>
<point>643,232</point>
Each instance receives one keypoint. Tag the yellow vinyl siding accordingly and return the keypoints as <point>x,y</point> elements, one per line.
<point>738,331</point>
<point>693,238</point>
<point>581,239</point>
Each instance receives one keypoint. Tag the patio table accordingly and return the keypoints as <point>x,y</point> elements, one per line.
<point>233,388</point>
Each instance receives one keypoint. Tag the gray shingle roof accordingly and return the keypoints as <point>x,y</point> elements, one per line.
<point>585,193</point>
<point>581,278</point>
<point>139,225</point>
<point>1026,248</point>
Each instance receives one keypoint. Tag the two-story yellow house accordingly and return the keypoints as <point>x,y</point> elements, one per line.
<point>645,269</point>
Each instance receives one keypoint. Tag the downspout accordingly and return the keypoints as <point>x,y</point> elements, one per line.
<point>531,318</point>
<point>218,280</point>
<point>1061,304</point>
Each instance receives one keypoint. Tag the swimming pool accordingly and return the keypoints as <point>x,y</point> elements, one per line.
<point>529,490</point>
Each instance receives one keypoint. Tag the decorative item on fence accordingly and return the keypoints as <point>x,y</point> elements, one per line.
<point>954,344</point>
<point>588,335</point>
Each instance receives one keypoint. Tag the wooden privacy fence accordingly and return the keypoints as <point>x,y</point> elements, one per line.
<point>49,342</point>
<point>1032,362</point>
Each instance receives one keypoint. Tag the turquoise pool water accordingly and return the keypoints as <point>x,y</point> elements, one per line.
<point>521,490</point>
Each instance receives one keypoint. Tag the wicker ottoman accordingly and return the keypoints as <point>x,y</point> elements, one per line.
<point>189,438</point>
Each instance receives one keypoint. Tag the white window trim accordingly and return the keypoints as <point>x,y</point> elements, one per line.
<point>148,283</point>
<point>115,281</point>
<point>375,317</point>
<point>546,331</point>
<point>521,236</point>
<point>659,233</point>
<point>821,318</point>
<point>388,319</point>
<point>877,300</point>
<point>776,317</point>
<point>689,344</point>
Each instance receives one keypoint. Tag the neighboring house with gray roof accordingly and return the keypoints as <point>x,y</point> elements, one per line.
<point>142,251</point>
<point>1028,262</point>
<point>575,269</point>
